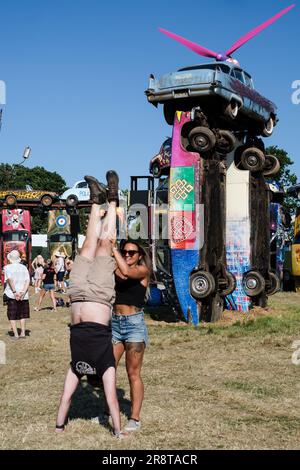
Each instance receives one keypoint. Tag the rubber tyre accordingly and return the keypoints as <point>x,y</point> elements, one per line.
<point>202,284</point>
<point>226,142</point>
<point>11,200</point>
<point>46,200</point>
<point>232,110</point>
<point>253,283</point>
<point>169,113</point>
<point>274,285</point>
<point>231,284</point>
<point>271,166</point>
<point>268,128</point>
<point>202,139</point>
<point>72,200</point>
<point>156,170</point>
<point>253,159</point>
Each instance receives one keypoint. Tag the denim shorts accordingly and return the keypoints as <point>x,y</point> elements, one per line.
<point>129,328</point>
<point>48,287</point>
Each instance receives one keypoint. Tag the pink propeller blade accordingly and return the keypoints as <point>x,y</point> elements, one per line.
<point>191,45</point>
<point>257,30</point>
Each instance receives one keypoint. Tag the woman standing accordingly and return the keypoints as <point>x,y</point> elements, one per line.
<point>129,331</point>
<point>48,285</point>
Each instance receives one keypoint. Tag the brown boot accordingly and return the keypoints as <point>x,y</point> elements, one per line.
<point>112,186</point>
<point>97,190</point>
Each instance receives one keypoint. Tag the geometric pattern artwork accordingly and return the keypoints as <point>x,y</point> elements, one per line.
<point>181,228</point>
<point>181,189</point>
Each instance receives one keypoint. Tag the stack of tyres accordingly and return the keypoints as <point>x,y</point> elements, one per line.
<point>248,224</point>
<point>196,218</point>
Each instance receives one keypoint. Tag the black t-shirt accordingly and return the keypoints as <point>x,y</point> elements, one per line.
<point>50,273</point>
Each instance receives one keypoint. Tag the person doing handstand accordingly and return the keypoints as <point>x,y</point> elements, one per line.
<point>92,294</point>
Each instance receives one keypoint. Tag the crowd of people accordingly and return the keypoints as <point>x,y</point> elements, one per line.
<point>107,288</point>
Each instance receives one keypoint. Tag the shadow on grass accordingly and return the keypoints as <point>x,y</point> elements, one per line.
<point>163,313</point>
<point>88,402</point>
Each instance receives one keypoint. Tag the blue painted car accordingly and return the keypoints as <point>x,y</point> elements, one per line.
<point>224,92</point>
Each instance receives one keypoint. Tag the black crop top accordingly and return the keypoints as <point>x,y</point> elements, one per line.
<point>130,292</point>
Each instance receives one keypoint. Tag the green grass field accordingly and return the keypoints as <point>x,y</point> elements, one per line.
<point>229,385</point>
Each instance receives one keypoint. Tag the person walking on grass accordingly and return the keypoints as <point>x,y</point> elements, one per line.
<point>92,293</point>
<point>17,279</point>
<point>48,278</point>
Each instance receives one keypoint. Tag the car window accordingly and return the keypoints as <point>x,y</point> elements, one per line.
<point>224,68</point>
<point>82,184</point>
<point>199,67</point>
<point>248,80</point>
<point>239,75</point>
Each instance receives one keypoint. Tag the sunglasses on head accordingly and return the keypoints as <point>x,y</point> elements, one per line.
<point>129,252</point>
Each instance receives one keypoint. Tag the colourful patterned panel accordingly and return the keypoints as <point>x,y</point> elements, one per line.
<point>183,262</point>
<point>15,219</point>
<point>182,191</point>
<point>182,230</point>
<point>238,261</point>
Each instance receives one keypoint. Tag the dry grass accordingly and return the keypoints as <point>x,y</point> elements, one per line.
<point>230,385</point>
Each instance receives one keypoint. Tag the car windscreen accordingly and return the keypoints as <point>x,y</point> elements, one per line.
<point>61,237</point>
<point>20,236</point>
<point>199,67</point>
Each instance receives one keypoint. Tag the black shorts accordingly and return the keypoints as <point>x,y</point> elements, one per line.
<point>60,276</point>
<point>17,309</point>
<point>91,349</point>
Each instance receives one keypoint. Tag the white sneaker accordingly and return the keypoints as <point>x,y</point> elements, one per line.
<point>132,425</point>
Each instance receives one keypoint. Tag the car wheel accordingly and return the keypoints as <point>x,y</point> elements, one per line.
<point>271,166</point>
<point>202,139</point>
<point>225,142</point>
<point>46,200</point>
<point>11,200</point>
<point>273,285</point>
<point>169,112</point>
<point>253,283</point>
<point>231,110</point>
<point>231,284</point>
<point>156,170</point>
<point>253,159</point>
<point>202,284</point>
<point>72,200</point>
<point>268,128</point>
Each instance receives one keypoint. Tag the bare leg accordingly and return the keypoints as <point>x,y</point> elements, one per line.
<point>13,325</point>
<point>119,349</point>
<point>109,384</point>
<point>70,386</point>
<point>23,322</point>
<point>108,230</point>
<point>134,359</point>
<point>42,295</point>
<point>53,299</point>
<point>93,233</point>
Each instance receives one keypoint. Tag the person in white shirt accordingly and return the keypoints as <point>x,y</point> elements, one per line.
<point>59,267</point>
<point>17,279</point>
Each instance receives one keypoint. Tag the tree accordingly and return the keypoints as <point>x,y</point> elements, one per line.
<point>285,177</point>
<point>18,177</point>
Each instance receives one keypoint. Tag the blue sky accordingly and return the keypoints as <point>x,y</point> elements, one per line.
<point>76,71</point>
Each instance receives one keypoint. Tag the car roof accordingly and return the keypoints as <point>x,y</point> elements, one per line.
<point>229,64</point>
